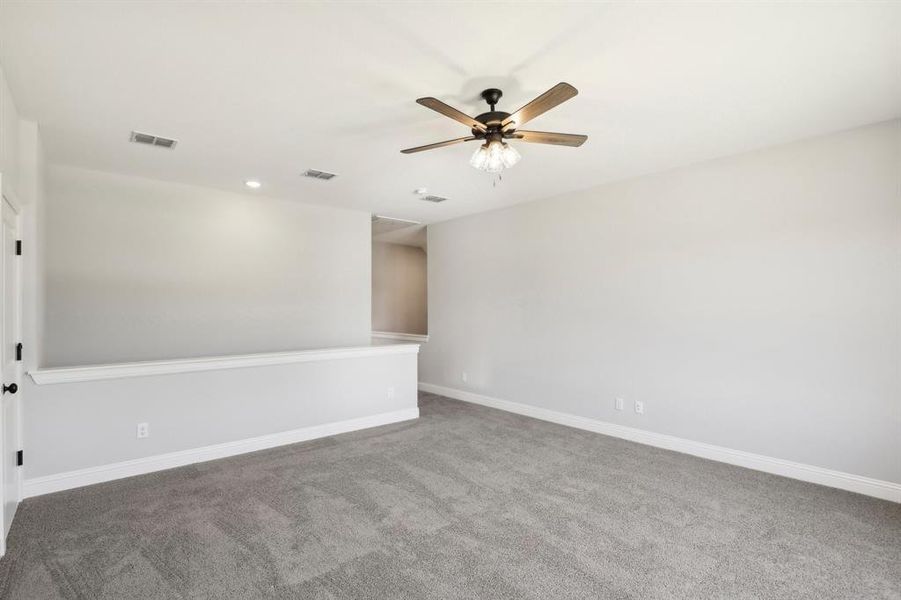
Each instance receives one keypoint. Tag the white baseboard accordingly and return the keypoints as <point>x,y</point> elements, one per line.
<point>82,477</point>
<point>885,490</point>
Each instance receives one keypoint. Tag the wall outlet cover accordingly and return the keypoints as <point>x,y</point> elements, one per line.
<point>639,407</point>
<point>143,430</point>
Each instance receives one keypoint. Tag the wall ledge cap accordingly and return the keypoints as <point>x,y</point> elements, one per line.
<point>210,363</point>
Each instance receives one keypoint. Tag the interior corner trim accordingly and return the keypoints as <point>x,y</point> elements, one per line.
<point>404,337</point>
<point>210,363</point>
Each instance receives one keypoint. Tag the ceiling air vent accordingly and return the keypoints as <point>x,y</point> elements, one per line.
<point>318,174</point>
<point>435,199</point>
<point>152,140</point>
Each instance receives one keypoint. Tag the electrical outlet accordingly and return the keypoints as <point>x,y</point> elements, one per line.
<point>465,377</point>
<point>639,407</point>
<point>390,393</point>
<point>619,403</point>
<point>143,430</point>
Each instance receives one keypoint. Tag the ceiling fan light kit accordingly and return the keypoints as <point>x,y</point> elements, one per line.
<point>495,127</point>
<point>494,157</point>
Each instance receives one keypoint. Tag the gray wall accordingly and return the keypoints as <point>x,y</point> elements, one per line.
<point>399,290</point>
<point>9,136</point>
<point>139,269</point>
<point>752,302</point>
<point>72,426</point>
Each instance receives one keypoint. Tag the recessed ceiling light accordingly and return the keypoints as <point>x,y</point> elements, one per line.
<point>421,191</point>
<point>252,184</point>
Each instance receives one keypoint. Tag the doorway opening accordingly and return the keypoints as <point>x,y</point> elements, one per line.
<point>399,280</point>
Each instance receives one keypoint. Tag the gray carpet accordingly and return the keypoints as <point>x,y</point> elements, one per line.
<point>466,502</point>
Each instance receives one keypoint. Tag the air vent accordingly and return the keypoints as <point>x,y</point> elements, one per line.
<point>152,140</point>
<point>318,174</point>
<point>435,199</point>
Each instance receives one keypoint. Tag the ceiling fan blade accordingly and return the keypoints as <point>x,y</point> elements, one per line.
<point>450,111</point>
<point>437,145</point>
<point>546,137</point>
<point>558,94</point>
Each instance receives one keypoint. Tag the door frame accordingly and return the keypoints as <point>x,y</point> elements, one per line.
<point>8,196</point>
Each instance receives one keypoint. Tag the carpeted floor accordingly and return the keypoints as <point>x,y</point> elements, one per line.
<point>466,502</point>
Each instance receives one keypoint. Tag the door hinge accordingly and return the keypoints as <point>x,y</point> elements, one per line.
<point>20,458</point>
<point>19,351</point>
<point>18,247</point>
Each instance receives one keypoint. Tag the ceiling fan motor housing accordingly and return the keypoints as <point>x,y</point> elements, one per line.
<point>493,118</point>
<point>492,121</point>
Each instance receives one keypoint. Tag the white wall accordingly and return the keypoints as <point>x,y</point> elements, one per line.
<point>9,136</point>
<point>73,426</point>
<point>32,196</point>
<point>140,269</point>
<point>399,294</point>
<point>752,302</point>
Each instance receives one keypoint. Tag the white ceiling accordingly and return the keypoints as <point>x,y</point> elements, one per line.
<point>415,235</point>
<point>254,90</point>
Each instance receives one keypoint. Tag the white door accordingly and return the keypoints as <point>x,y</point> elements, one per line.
<point>10,473</point>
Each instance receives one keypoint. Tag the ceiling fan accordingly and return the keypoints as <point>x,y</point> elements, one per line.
<point>496,126</point>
